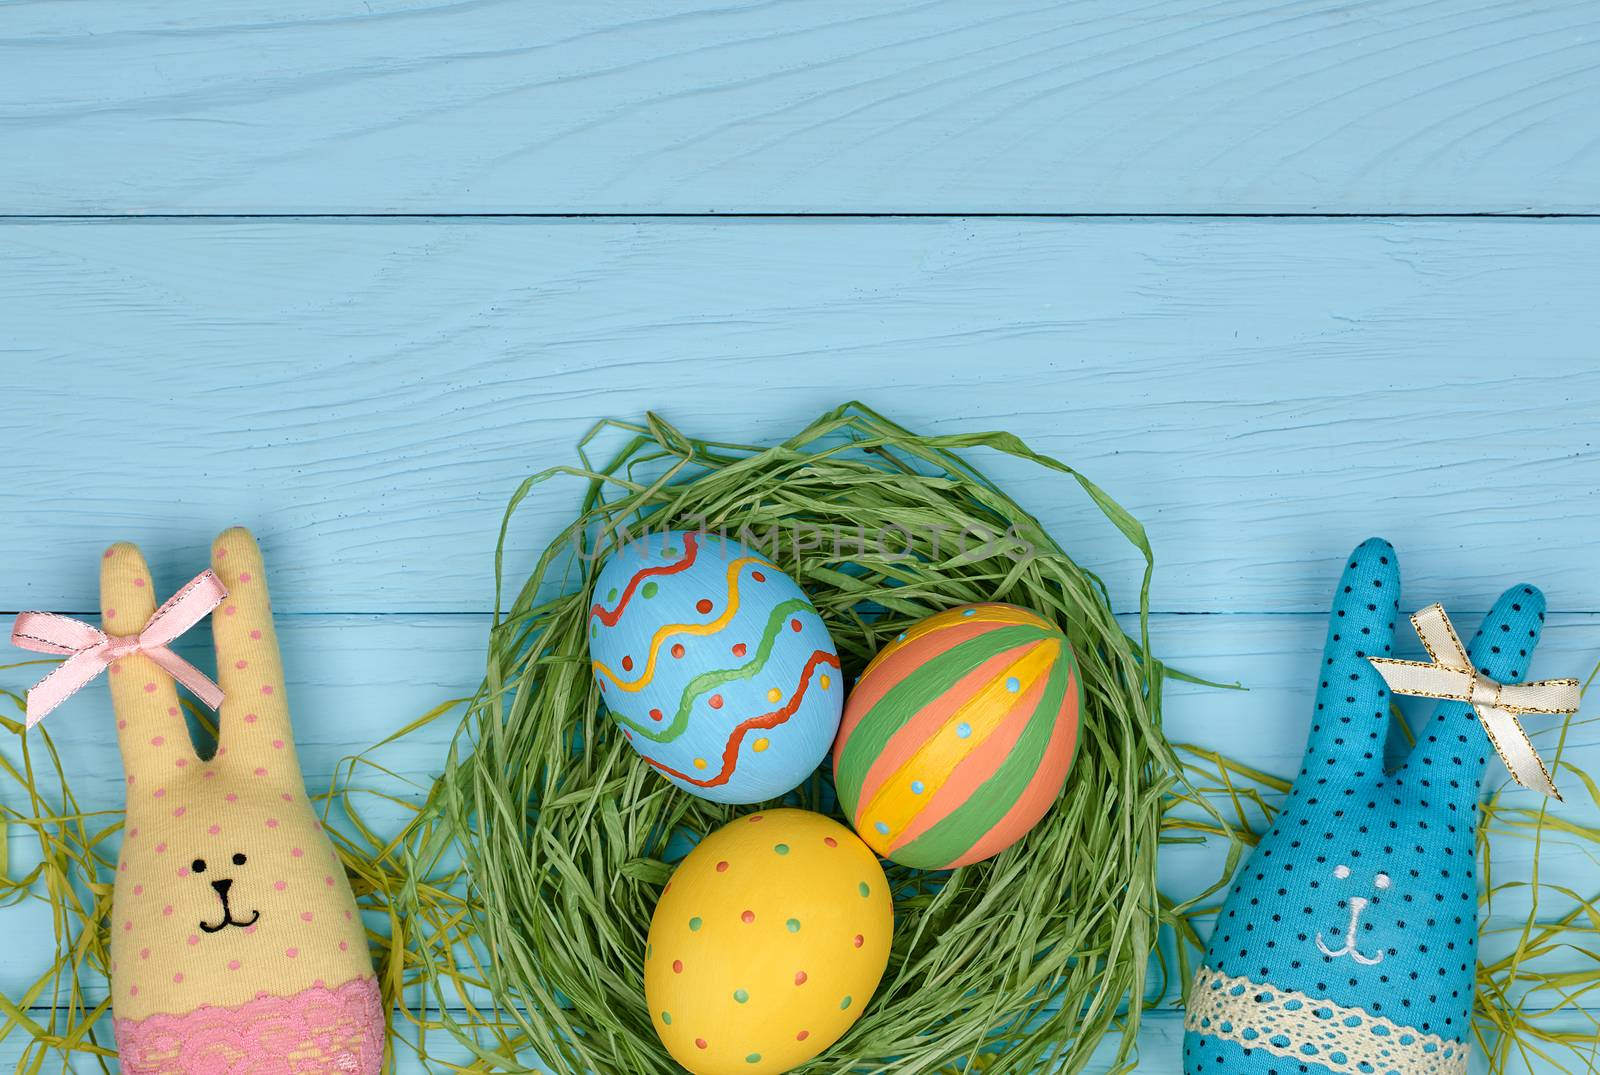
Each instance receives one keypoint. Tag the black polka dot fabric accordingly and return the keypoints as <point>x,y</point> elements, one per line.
<point>1364,892</point>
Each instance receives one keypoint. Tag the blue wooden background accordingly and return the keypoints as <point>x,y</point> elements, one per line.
<point>1278,276</point>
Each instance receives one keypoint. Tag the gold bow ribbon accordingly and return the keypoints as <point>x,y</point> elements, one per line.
<point>1452,677</point>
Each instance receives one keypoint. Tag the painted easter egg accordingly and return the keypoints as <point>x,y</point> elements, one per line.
<point>715,664</point>
<point>958,736</point>
<point>766,944</point>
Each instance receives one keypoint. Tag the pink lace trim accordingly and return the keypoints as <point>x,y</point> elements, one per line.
<point>318,1031</point>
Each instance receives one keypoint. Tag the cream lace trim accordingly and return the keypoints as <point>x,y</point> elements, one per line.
<point>1312,1030</point>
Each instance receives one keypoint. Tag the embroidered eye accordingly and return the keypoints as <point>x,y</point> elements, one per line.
<point>1382,880</point>
<point>198,865</point>
<point>1341,872</point>
<point>238,858</point>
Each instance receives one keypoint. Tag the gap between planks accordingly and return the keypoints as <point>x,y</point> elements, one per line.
<point>735,217</point>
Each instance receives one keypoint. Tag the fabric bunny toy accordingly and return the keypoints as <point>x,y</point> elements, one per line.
<point>1348,942</point>
<point>236,945</point>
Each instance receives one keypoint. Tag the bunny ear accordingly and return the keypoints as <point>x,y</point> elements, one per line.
<point>1452,748</point>
<point>1351,720</point>
<point>151,729</point>
<point>255,727</point>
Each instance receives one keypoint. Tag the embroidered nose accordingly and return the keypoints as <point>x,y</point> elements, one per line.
<point>222,886</point>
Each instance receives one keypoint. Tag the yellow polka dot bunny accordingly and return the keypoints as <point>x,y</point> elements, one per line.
<point>236,945</point>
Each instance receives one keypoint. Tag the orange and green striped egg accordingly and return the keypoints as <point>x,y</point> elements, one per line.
<point>958,737</point>
<point>715,664</point>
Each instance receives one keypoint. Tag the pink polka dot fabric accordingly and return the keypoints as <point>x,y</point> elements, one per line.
<point>229,897</point>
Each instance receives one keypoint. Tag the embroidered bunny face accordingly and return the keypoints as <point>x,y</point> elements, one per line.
<point>228,892</point>
<point>1350,936</point>
<point>1351,933</point>
<point>222,886</point>
<point>235,884</point>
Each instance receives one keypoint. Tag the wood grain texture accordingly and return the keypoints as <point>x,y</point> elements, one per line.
<point>1261,394</point>
<point>420,106</point>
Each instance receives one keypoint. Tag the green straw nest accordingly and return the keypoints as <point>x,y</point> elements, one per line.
<point>1033,954</point>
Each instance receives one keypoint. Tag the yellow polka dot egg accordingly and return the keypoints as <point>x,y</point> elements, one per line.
<point>767,944</point>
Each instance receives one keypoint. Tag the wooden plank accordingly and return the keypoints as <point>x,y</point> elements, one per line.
<point>353,680</point>
<point>1262,394</point>
<point>474,106</point>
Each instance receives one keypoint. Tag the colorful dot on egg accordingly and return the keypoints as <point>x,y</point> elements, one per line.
<point>722,867</point>
<point>715,701</point>
<point>753,1058</point>
<point>782,849</point>
<point>794,625</point>
<point>830,841</point>
<point>695,924</point>
<point>760,744</point>
<point>740,649</point>
<point>650,590</point>
<point>901,637</point>
<point>917,787</point>
<point>969,612</point>
<point>594,630</point>
<point>666,1017</point>
<point>758,576</point>
<point>774,694</point>
<point>649,950</point>
<point>669,551</point>
<point>963,730</point>
<point>703,606</point>
<point>803,1035</point>
<point>865,889</point>
<point>699,1043</point>
<point>825,681</point>
<point>677,966</point>
<point>656,714</point>
<point>627,664</point>
<point>846,1002</point>
<point>611,594</point>
<point>748,917</point>
<point>699,763</point>
<point>793,925</point>
<point>859,940</point>
<point>741,996</point>
<point>882,828</point>
<point>677,649</point>
<point>799,977</point>
<point>1013,684</point>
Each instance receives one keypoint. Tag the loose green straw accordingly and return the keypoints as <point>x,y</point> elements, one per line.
<point>509,915</point>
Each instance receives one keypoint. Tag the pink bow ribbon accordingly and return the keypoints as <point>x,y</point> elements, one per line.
<point>90,651</point>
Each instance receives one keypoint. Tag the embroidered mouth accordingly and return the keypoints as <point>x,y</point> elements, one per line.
<point>222,888</point>
<point>1357,905</point>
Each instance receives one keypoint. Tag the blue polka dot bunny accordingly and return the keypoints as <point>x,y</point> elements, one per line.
<point>1348,942</point>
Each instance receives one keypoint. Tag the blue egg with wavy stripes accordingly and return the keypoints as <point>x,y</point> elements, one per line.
<point>715,665</point>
